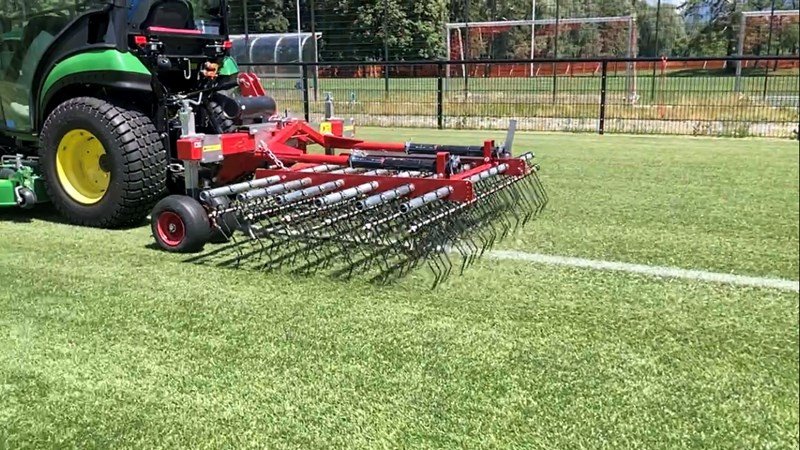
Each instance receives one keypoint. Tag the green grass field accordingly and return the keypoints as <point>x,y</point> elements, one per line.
<point>105,342</point>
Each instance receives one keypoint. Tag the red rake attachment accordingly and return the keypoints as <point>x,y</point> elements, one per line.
<point>361,208</point>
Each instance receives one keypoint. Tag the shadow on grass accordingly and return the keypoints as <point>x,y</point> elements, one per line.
<point>46,212</point>
<point>378,266</point>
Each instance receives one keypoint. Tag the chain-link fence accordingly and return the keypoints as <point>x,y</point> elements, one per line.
<point>687,96</point>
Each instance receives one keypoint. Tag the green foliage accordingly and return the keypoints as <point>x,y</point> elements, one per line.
<point>671,29</point>
<point>713,27</point>
<point>413,30</point>
<point>268,15</point>
<point>407,30</point>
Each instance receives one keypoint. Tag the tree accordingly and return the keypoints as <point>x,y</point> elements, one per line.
<point>413,30</point>
<point>713,25</point>
<point>788,37</point>
<point>671,29</point>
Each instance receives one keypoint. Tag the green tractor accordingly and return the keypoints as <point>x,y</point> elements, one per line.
<point>90,97</point>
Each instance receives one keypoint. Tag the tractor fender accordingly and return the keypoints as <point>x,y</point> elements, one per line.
<point>96,68</point>
<point>92,32</point>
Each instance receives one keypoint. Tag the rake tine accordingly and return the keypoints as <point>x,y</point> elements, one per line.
<point>307,226</point>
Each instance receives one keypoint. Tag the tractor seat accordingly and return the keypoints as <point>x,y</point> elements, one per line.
<point>170,14</point>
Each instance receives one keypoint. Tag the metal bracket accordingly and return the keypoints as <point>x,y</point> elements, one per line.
<point>509,143</point>
<point>187,117</point>
<point>191,178</point>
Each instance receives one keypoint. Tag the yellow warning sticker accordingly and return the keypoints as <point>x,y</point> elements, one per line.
<point>212,148</point>
<point>326,128</point>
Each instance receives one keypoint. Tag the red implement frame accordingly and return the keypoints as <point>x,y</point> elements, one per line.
<point>285,142</point>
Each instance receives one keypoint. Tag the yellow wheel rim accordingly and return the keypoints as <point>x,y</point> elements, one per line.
<point>82,167</point>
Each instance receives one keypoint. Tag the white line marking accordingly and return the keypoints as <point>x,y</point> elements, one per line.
<point>656,271</point>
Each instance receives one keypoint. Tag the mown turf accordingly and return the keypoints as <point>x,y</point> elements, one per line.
<point>105,342</point>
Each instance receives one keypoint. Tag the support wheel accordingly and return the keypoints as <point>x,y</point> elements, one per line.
<point>180,224</point>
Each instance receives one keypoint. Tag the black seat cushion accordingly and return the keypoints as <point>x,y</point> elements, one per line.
<point>176,14</point>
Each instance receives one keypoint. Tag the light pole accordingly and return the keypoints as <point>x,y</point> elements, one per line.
<point>386,44</point>
<point>555,49</point>
<point>299,38</point>
<point>769,46</point>
<point>655,51</point>
<point>533,32</point>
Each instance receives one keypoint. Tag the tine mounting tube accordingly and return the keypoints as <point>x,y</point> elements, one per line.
<point>274,190</point>
<point>346,194</point>
<point>385,197</point>
<point>312,191</point>
<point>430,197</point>
<point>321,168</point>
<point>494,171</point>
<point>238,188</point>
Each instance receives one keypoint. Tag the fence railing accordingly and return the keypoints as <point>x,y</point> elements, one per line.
<point>690,96</point>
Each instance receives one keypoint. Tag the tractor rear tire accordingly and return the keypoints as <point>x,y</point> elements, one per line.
<point>104,165</point>
<point>180,224</point>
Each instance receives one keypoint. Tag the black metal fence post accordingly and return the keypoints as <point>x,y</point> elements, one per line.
<point>306,103</point>
<point>386,45</point>
<point>603,84</point>
<point>439,96</point>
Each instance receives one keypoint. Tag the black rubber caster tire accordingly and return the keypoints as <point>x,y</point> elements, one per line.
<point>180,224</point>
<point>28,198</point>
